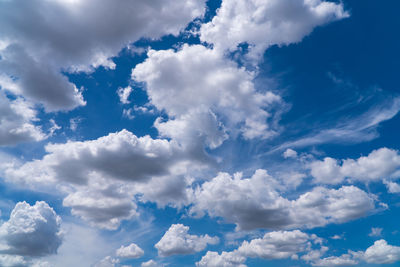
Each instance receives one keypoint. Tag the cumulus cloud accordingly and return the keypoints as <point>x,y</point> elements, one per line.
<point>132,251</point>
<point>277,245</point>
<point>378,165</point>
<point>225,259</point>
<point>177,241</point>
<point>262,24</point>
<point>381,253</point>
<point>101,177</point>
<point>42,38</point>
<point>197,85</point>
<point>274,245</point>
<point>343,260</point>
<point>17,118</point>
<point>255,202</point>
<point>31,232</point>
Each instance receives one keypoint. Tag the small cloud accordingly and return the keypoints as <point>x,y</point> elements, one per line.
<point>73,123</point>
<point>289,153</point>
<point>375,232</point>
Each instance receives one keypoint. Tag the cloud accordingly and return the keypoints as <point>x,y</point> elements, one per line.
<point>30,233</point>
<point>177,241</point>
<point>343,260</point>
<point>132,251</point>
<point>107,262</point>
<point>392,187</point>
<point>255,202</point>
<point>357,129</point>
<point>17,122</point>
<point>289,153</point>
<point>274,245</point>
<point>124,94</point>
<point>376,231</point>
<point>277,245</point>
<point>262,24</point>
<point>197,85</point>
<point>381,253</point>
<point>42,38</point>
<point>101,177</point>
<point>378,165</point>
<point>149,263</point>
<point>225,259</point>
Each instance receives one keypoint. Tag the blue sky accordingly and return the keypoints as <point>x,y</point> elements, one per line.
<point>199,133</point>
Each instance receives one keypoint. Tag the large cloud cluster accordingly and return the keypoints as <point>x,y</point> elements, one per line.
<point>41,38</point>
<point>255,202</point>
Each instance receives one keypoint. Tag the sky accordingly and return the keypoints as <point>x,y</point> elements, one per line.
<point>207,133</point>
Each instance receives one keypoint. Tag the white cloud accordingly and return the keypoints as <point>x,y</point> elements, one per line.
<point>379,253</point>
<point>343,260</point>
<point>254,202</point>
<point>277,245</point>
<point>17,119</point>
<point>356,129</point>
<point>262,24</point>
<point>101,177</point>
<point>378,165</point>
<point>124,94</point>
<point>177,241</point>
<point>149,263</point>
<point>382,253</point>
<point>31,231</point>
<point>197,82</point>
<point>289,153</point>
<point>225,259</point>
<point>107,262</point>
<point>274,245</point>
<point>392,187</point>
<point>42,38</point>
<point>132,251</point>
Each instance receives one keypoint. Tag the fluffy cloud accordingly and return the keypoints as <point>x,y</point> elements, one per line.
<point>41,38</point>
<point>255,202</point>
<point>101,177</point>
<point>225,259</point>
<point>17,119</point>
<point>277,245</point>
<point>177,241</point>
<point>132,251</point>
<point>381,253</point>
<point>379,164</point>
<point>197,85</point>
<point>343,260</point>
<point>392,187</point>
<point>274,245</point>
<point>31,232</point>
<point>265,23</point>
